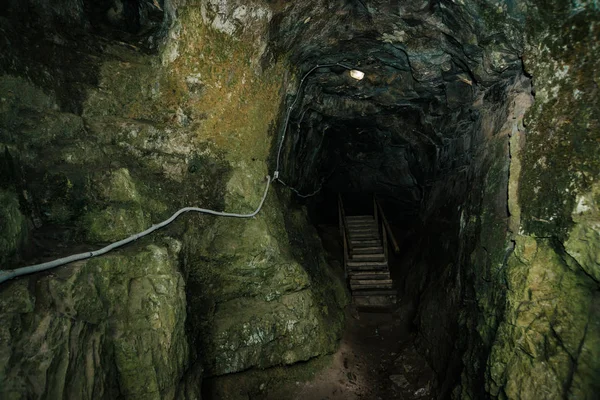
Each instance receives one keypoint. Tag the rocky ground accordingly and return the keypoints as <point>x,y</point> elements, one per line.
<point>376,360</point>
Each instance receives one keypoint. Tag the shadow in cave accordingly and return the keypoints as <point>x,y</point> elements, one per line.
<point>378,354</point>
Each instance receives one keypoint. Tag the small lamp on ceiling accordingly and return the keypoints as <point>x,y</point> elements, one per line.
<point>356,74</point>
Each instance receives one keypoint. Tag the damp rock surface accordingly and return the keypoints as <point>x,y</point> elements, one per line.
<point>97,329</point>
<point>476,124</point>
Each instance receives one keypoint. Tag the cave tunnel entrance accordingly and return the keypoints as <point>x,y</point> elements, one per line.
<point>120,112</point>
<point>423,138</point>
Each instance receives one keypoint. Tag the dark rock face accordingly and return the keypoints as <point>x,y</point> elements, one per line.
<point>113,114</point>
<point>437,129</point>
<point>104,133</point>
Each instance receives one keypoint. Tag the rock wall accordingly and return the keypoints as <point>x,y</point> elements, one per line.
<point>109,327</point>
<point>515,269</point>
<point>105,132</point>
<point>109,133</point>
<point>534,291</point>
<point>551,329</point>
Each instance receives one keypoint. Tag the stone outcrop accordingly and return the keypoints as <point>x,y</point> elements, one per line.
<point>108,327</point>
<point>112,133</point>
<point>477,123</point>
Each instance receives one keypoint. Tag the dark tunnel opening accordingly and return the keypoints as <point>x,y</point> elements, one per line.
<point>120,117</point>
<point>425,149</point>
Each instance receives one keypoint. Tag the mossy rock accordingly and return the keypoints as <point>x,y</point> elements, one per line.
<point>583,243</point>
<point>13,226</point>
<point>255,333</point>
<point>110,327</point>
<point>116,222</point>
<point>548,344</point>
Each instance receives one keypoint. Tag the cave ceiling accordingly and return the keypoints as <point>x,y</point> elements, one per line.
<point>431,69</point>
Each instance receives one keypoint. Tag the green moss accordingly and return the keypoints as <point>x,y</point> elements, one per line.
<point>108,327</point>
<point>273,383</point>
<point>13,226</point>
<point>16,298</point>
<point>260,304</point>
<point>560,157</point>
<point>550,308</point>
<point>116,222</point>
<point>120,187</point>
<point>584,239</point>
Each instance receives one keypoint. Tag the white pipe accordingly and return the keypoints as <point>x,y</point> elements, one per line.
<point>13,273</point>
<point>291,108</point>
<point>10,274</point>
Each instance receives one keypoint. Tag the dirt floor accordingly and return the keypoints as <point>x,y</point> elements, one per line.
<point>376,360</point>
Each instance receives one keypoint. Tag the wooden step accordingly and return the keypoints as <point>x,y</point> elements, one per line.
<point>380,292</point>
<point>360,218</point>
<point>365,243</point>
<point>368,268</point>
<point>363,228</point>
<point>352,263</point>
<point>383,283</point>
<point>368,257</point>
<point>364,232</point>
<point>366,250</point>
<point>362,275</point>
<point>367,236</point>
<point>361,222</point>
<point>361,225</point>
<point>358,286</point>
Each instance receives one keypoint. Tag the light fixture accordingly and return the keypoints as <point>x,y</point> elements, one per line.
<point>356,74</point>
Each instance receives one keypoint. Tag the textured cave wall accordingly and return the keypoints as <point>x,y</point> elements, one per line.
<point>104,133</point>
<point>551,328</point>
<point>428,129</point>
<point>505,267</point>
<point>526,272</point>
<point>522,282</point>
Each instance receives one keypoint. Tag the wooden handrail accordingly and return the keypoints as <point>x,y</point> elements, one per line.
<point>385,243</point>
<point>375,213</point>
<point>342,209</point>
<point>386,225</point>
<point>342,218</point>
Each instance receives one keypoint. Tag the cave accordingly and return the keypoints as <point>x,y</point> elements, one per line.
<point>350,199</point>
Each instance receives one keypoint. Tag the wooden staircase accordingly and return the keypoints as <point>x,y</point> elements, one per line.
<point>366,257</point>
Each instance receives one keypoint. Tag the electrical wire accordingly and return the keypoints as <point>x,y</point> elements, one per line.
<point>10,274</point>
<point>286,123</point>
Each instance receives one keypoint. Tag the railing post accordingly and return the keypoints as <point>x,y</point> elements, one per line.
<point>342,222</point>
<point>375,212</point>
<point>385,244</point>
<point>386,227</point>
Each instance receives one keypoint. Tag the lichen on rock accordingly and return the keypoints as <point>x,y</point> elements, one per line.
<point>98,329</point>
<point>13,226</point>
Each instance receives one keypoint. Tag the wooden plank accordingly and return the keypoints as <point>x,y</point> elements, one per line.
<point>370,275</point>
<point>368,257</point>
<point>388,228</point>
<point>359,217</point>
<point>367,250</point>
<point>369,268</point>
<point>366,243</point>
<point>383,292</point>
<point>356,288</point>
<point>357,282</point>
<point>367,263</point>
